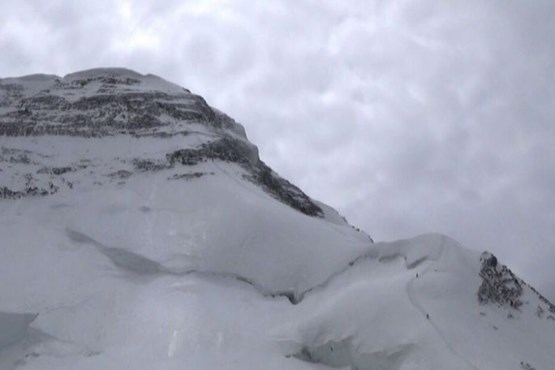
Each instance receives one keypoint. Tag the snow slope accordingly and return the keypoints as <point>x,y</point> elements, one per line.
<point>140,230</point>
<point>378,314</point>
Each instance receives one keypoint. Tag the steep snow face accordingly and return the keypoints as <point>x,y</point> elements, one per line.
<point>141,230</point>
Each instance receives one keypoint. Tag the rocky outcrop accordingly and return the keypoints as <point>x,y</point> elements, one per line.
<point>284,190</point>
<point>502,287</point>
<point>225,149</point>
<point>117,102</point>
<point>499,284</point>
<point>103,103</point>
<point>246,155</point>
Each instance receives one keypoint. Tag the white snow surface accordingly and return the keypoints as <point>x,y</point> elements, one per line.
<point>190,267</point>
<point>98,312</point>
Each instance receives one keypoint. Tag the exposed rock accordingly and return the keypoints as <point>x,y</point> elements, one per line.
<point>499,284</point>
<point>189,176</point>
<point>121,174</point>
<point>226,149</point>
<point>116,102</point>
<point>526,366</point>
<point>143,165</point>
<point>246,155</point>
<point>56,170</point>
<point>109,111</point>
<point>7,193</point>
<point>285,191</point>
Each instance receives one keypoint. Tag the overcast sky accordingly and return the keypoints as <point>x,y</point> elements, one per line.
<point>407,116</point>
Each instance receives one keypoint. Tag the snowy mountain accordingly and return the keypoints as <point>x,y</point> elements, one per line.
<point>141,230</point>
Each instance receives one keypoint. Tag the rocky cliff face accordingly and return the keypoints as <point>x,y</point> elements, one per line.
<point>99,103</point>
<point>499,284</point>
<point>502,287</point>
<point>118,103</point>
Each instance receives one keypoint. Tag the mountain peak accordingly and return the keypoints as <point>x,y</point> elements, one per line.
<point>108,102</point>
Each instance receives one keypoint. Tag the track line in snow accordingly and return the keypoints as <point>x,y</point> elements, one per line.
<point>412,298</point>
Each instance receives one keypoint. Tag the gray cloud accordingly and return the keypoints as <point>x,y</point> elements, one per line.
<point>408,117</point>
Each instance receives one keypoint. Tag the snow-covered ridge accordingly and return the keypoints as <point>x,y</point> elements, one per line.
<point>374,313</point>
